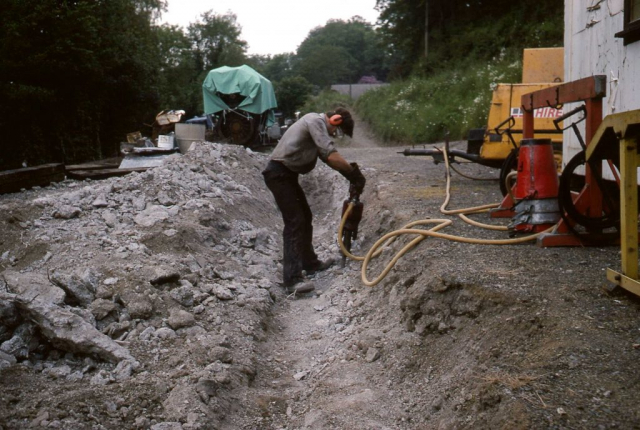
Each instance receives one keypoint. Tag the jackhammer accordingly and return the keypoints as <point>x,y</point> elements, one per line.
<point>350,230</point>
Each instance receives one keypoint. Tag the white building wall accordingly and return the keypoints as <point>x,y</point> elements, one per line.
<point>591,48</point>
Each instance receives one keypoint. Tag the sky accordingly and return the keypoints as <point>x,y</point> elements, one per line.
<point>272,26</point>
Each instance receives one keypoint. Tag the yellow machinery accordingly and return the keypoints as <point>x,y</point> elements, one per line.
<point>617,139</point>
<point>541,68</point>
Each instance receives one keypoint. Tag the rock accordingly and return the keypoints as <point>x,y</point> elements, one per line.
<point>101,308</point>
<point>30,287</point>
<point>147,333</point>
<point>167,425</point>
<point>152,215</point>
<point>219,353</point>
<point>183,294</point>
<point>141,423</point>
<point>110,218</point>
<point>372,355</point>
<point>85,314</point>
<point>191,332</point>
<point>140,307</point>
<point>206,388</point>
<point>67,212</point>
<point>116,329</point>
<point>180,318</point>
<point>180,401</point>
<point>19,345</point>
<point>7,357</point>
<point>78,290</point>
<point>59,372</point>
<point>39,300</point>
<point>300,375</point>
<point>165,200</point>
<point>104,292</point>
<point>100,202</point>
<point>164,275</point>
<point>101,378</point>
<point>165,333</point>
<point>40,419</point>
<point>75,376</point>
<point>124,369</point>
<point>223,293</point>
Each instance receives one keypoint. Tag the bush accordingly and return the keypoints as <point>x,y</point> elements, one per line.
<point>325,101</point>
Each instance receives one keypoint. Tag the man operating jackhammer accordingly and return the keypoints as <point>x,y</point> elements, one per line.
<point>299,148</point>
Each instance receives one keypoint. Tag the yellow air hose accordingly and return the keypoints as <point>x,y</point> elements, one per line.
<point>377,247</point>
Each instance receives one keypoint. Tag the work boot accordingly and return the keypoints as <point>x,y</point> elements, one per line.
<point>301,288</point>
<point>298,286</point>
<point>319,266</point>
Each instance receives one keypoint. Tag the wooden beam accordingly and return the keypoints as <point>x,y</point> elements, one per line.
<point>90,166</point>
<point>593,87</point>
<point>103,173</point>
<point>12,181</point>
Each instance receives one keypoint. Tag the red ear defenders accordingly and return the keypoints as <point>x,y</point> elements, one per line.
<point>335,120</point>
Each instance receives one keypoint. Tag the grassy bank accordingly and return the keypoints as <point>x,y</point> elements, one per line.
<point>453,100</point>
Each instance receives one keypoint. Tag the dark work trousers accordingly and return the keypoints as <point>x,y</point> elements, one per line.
<point>297,217</point>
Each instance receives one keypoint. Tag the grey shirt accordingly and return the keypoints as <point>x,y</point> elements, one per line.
<point>303,143</point>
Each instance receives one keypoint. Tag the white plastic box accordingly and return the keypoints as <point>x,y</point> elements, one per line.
<point>165,141</point>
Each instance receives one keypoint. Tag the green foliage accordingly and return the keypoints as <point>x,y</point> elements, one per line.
<point>179,87</point>
<point>74,76</point>
<point>217,41</point>
<point>419,110</point>
<point>474,28</point>
<point>325,101</point>
<point>291,94</point>
<point>340,52</point>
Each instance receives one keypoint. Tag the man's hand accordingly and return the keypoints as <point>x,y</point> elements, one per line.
<point>356,178</point>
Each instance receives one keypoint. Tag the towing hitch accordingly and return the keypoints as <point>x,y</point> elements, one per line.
<point>438,156</point>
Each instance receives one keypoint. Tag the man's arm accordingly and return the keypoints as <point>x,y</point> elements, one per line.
<point>351,171</point>
<point>335,161</point>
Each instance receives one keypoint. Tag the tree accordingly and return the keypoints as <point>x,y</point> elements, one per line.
<point>75,76</point>
<point>292,93</point>
<point>477,29</point>
<point>340,52</point>
<point>280,66</point>
<point>216,41</point>
<point>179,87</point>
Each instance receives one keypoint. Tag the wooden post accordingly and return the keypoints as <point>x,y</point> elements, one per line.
<point>629,206</point>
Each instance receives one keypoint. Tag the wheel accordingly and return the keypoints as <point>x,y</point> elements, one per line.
<point>240,129</point>
<point>510,164</point>
<point>568,182</point>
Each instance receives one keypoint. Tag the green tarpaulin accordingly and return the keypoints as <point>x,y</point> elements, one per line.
<point>258,91</point>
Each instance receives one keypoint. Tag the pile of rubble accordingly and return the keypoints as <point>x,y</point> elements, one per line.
<point>161,281</point>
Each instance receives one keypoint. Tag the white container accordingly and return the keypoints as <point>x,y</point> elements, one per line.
<point>165,141</point>
<point>186,134</point>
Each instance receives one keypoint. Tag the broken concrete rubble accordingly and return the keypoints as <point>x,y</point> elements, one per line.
<point>142,263</point>
<point>42,303</point>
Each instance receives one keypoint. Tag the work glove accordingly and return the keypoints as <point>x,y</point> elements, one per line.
<point>355,178</point>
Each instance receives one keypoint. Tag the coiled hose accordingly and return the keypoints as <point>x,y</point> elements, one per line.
<point>408,229</point>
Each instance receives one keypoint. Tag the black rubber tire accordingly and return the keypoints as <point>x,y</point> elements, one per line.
<point>509,165</point>
<point>566,205</point>
<point>240,130</point>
